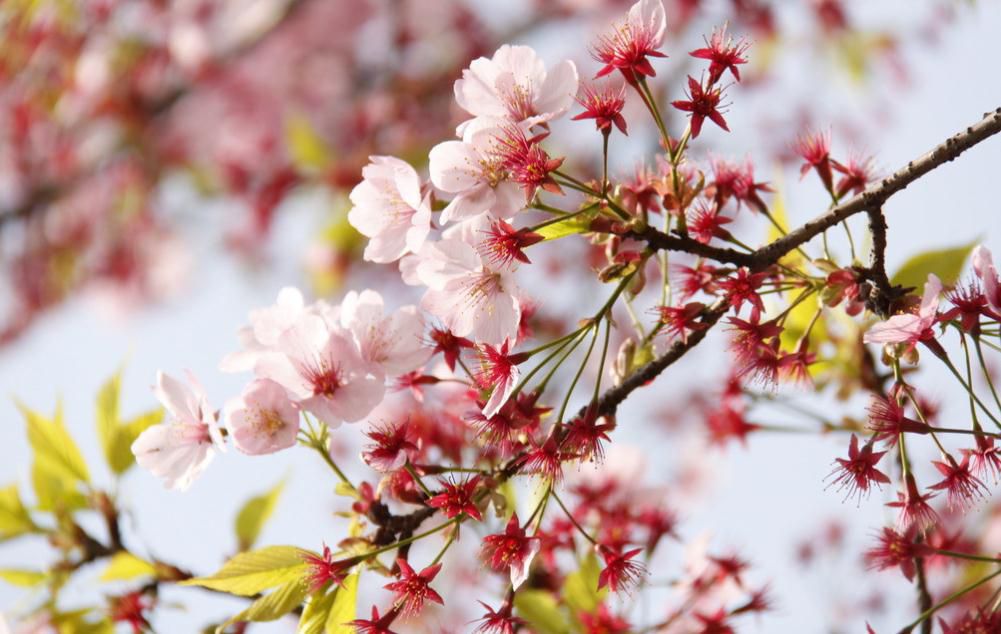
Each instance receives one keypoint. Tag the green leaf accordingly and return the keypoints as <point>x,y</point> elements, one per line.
<point>53,446</point>
<point>540,611</point>
<point>580,590</point>
<point>107,414</point>
<point>947,264</point>
<point>22,578</point>
<point>251,518</point>
<point>344,608</point>
<point>308,151</point>
<point>121,457</point>
<point>124,566</point>
<point>273,605</point>
<point>568,226</point>
<point>255,571</point>
<point>14,517</point>
<point>54,491</point>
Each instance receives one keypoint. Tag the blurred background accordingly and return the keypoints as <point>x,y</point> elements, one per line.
<point>166,166</point>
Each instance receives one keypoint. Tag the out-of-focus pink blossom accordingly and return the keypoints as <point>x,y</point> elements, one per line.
<point>390,210</point>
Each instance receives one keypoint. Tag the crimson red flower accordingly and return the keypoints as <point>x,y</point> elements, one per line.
<point>413,588</point>
<point>986,458</point>
<point>843,286</point>
<point>969,303</point>
<point>457,498</point>
<point>727,422</point>
<point>526,162</point>
<point>887,420</point>
<point>513,549</point>
<point>449,345</point>
<point>815,149</point>
<point>585,435</point>
<point>501,621</point>
<point>759,601</point>
<point>377,624</point>
<point>715,623</point>
<point>896,549</point>
<point>915,512</point>
<point>730,567</point>
<point>324,569</point>
<point>702,103</point>
<point>504,244</point>
<point>680,321</point>
<point>130,608</point>
<point>694,279</point>
<point>705,222</point>
<point>743,287</point>
<point>394,446</point>
<point>546,460</point>
<point>628,46</point>
<point>858,472</point>
<point>604,105</point>
<point>736,181</point>
<point>723,54</point>
<point>602,621</point>
<point>855,175</point>
<point>962,488</point>
<point>620,572</point>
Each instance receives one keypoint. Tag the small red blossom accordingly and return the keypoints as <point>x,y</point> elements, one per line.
<point>858,472</point>
<point>457,498</point>
<point>603,621</point>
<point>736,181</point>
<point>449,345</point>
<point>504,244</point>
<point>855,175</point>
<point>628,46</point>
<point>962,488</point>
<point>985,460</point>
<point>620,572</point>
<point>743,287</point>
<point>513,549</point>
<point>728,422</point>
<point>324,569</point>
<point>585,435</point>
<point>969,303</point>
<point>703,103</point>
<point>723,54</point>
<point>526,162</point>
<point>980,621</point>
<point>715,623</point>
<point>394,446</point>
<point>680,321</point>
<point>604,105</point>
<point>915,512</point>
<point>546,460</point>
<point>131,608</point>
<point>843,286</point>
<point>501,621</point>
<point>887,420</point>
<point>815,149</point>
<point>759,601</point>
<point>730,567</point>
<point>896,549</point>
<point>705,222</point>
<point>413,588</point>
<point>694,279</point>
<point>377,624</point>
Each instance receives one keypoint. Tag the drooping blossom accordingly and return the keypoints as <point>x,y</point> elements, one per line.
<point>620,572</point>
<point>513,549</point>
<point>394,342</point>
<point>887,420</point>
<point>473,172</point>
<point>858,472</point>
<point>457,498</point>
<point>914,509</point>
<point>498,372</point>
<point>390,210</point>
<point>604,104</point>
<point>323,371</point>
<point>179,450</point>
<point>471,297</point>
<point>629,44</point>
<point>723,54</point>
<point>963,489</point>
<point>985,459</point>
<point>896,549</point>
<point>262,420</point>
<point>515,86</point>
<point>414,588</point>
<point>704,104</point>
<point>910,328</point>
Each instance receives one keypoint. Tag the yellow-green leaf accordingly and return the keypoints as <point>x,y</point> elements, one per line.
<point>273,605</point>
<point>55,489</point>
<point>124,566</point>
<point>580,590</point>
<point>315,614</point>
<point>249,573</point>
<point>947,264</point>
<point>121,457</point>
<point>14,517</point>
<point>254,514</point>
<point>568,226</point>
<point>540,611</point>
<point>53,446</point>
<point>308,151</point>
<point>106,415</point>
<point>22,578</point>
<point>343,609</point>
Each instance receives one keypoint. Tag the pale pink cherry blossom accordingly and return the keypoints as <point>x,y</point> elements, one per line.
<point>472,297</point>
<point>394,341</point>
<point>983,266</point>
<point>514,85</point>
<point>323,371</point>
<point>262,420</point>
<point>471,170</point>
<point>910,328</point>
<point>389,209</point>
<point>178,451</point>
<point>266,325</point>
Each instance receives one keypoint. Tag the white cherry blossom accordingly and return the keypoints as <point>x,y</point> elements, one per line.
<point>389,209</point>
